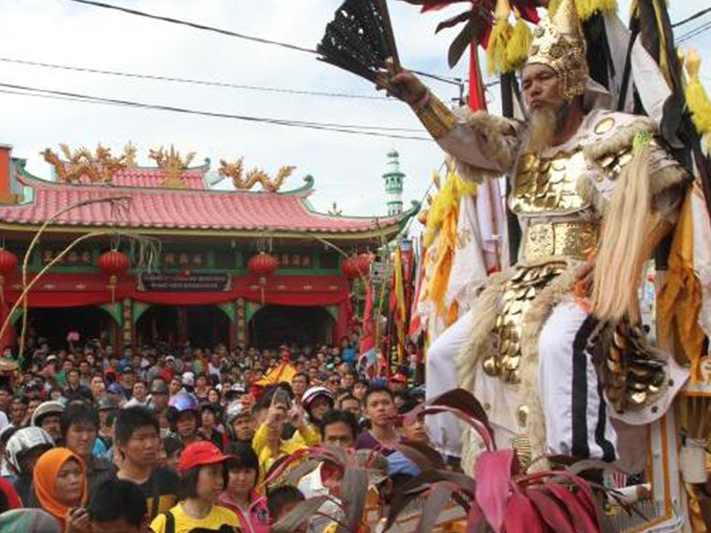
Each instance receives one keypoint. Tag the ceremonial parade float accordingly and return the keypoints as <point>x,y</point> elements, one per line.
<point>155,254</point>
<point>566,340</point>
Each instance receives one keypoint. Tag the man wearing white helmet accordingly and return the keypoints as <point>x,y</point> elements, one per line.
<point>21,453</point>
<point>48,416</point>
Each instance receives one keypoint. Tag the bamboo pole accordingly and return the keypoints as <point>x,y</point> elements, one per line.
<point>33,243</point>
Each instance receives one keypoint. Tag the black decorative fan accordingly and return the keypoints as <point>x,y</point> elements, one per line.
<point>360,39</point>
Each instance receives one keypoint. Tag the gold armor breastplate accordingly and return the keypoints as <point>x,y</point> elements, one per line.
<point>521,289</point>
<point>548,185</point>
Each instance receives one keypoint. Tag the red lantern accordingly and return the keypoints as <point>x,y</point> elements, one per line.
<point>113,263</point>
<point>262,265</point>
<point>349,267</point>
<point>363,263</point>
<point>8,263</point>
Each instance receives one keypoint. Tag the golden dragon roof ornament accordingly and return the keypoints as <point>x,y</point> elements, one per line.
<point>97,168</point>
<point>173,163</point>
<point>245,182</point>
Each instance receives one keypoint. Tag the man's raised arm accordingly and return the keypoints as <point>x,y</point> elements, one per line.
<point>484,142</point>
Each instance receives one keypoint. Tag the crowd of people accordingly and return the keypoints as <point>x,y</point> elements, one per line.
<point>174,441</point>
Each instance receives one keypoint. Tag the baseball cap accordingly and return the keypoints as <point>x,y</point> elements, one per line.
<point>114,388</point>
<point>200,454</point>
<point>189,379</point>
<point>398,378</point>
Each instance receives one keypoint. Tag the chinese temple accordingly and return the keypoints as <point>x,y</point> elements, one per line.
<point>158,254</point>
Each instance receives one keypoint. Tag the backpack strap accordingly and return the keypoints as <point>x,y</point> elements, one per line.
<point>169,522</point>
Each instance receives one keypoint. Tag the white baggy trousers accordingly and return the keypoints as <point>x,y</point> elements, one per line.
<point>577,421</point>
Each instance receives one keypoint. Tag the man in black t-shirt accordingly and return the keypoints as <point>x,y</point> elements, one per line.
<point>137,438</point>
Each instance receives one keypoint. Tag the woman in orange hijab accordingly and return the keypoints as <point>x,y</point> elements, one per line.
<point>60,483</point>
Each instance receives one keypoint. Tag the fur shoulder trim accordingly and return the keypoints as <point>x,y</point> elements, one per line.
<point>493,133</point>
<point>619,137</point>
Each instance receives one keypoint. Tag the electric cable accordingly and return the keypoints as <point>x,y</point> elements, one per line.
<point>375,131</point>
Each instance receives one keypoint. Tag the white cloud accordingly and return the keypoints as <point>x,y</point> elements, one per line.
<point>347,168</point>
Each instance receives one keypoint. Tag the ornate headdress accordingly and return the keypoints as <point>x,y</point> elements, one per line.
<point>559,44</point>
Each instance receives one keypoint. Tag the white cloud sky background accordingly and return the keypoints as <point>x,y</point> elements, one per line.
<point>347,168</point>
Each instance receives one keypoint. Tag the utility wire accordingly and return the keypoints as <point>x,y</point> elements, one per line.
<point>374,131</point>
<point>692,17</point>
<point>695,32</point>
<point>73,68</point>
<point>172,20</point>
<point>196,26</point>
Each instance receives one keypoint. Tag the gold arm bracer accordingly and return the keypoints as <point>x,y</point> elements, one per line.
<point>436,117</point>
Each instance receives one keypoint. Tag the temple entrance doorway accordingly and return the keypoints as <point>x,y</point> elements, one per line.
<point>274,325</point>
<point>203,326</point>
<point>55,323</point>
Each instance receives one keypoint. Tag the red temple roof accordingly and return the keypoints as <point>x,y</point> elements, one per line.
<point>150,207</point>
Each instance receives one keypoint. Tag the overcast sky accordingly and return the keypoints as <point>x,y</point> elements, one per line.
<point>347,168</point>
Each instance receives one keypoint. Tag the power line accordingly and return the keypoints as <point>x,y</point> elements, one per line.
<point>197,26</point>
<point>373,131</point>
<point>89,70</point>
<point>692,17</point>
<point>261,40</point>
<point>695,32</point>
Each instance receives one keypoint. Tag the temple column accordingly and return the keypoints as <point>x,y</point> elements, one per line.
<point>127,330</point>
<point>240,323</point>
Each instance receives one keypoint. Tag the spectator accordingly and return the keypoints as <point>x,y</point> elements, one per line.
<point>398,383</point>
<point>184,418</point>
<point>316,401</point>
<point>281,501</point>
<point>203,477</point>
<point>47,416</point>
<point>240,494</point>
<point>359,389</point>
<point>74,389</point>
<point>268,441</point>
<point>22,452</point>
<point>115,393</point>
<point>60,484</point>
<point>18,411</point>
<point>348,380</point>
<point>139,395</point>
<point>380,410</point>
<point>126,381</point>
<point>107,409</point>
<point>208,425</point>
<point>118,507</point>
<point>80,427</point>
<point>299,384</point>
<point>239,422</point>
<point>159,403</point>
<point>137,446</point>
<point>339,429</point>
<point>350,403</point>
<point>333,383</point>
<point>175,387</point>
<point>173,451</point>
<point>97,387</point>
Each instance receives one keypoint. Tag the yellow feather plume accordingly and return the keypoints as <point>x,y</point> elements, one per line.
<point>496,56</point>
<point>449,196</point>
<point>587,8</point>
<point>696,97</point>
<point>519,44</point>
